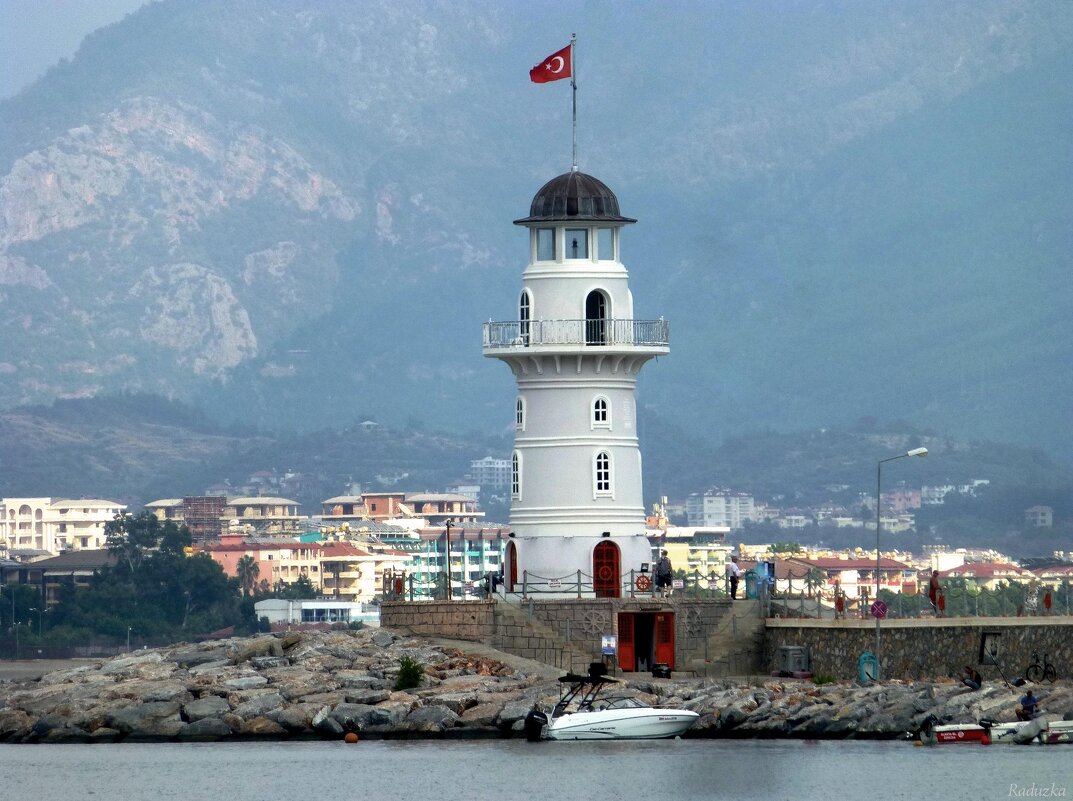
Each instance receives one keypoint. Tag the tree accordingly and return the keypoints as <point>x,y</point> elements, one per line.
<point>814,579</point>
<point>247,571</point>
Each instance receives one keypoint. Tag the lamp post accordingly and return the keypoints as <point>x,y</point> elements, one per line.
<point>448,561</point>
<point>879,525</point>
<point>128,639</point>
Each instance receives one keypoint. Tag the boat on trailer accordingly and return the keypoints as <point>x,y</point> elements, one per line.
<point>589,710</point>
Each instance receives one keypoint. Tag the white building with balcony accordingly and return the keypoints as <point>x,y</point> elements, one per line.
<point>44,525</point>
<point>576,349</point>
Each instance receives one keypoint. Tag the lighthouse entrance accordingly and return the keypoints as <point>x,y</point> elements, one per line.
<point>605,570</point>
<point>645,639</point>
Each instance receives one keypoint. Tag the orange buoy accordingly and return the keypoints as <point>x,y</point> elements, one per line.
<point>351,737</point>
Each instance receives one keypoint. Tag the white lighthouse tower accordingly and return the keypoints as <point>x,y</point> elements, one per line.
<point>575,350</point>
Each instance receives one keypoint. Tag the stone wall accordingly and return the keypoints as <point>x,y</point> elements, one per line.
<point>925,649</point>
<point>462,620</point>
<point>563,632</point>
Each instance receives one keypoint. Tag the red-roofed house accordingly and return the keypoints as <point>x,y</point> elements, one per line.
<point>852,574</point>
<point>338,569</point>
<point>988,575</point>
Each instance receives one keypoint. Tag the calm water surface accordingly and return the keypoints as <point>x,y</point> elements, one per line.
<point>515,770</point>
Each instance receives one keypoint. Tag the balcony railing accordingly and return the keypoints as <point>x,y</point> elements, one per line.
<point>522,334</point>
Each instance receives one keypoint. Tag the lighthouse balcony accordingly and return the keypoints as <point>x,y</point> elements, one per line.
<point>527,334</point>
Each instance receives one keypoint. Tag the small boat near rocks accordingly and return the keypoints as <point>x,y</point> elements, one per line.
<point>989,732</point>
<point>587,711</point>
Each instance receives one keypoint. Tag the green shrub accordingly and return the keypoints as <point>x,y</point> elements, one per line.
<point>410,674</point>
<point>823,678</point>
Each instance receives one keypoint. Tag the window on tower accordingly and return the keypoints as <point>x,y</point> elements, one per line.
<point>605,244</point>
<point>602,473</point>
<point>545,244</point>
<point>601,413</point>
<point>577,243</point>
<point>519,415</point>
<point>515,475</point>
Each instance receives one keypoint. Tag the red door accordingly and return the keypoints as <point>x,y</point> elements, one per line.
<point>627,659</point>
<point>512,566</point>
<point>665,639</point>
<point>605,578</point>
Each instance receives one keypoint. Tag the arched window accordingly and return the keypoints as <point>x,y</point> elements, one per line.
<point>519,414</point>
<point>524,312</point>
<point>596,318</point>
<point>601,473</point>
<point>601,413</point>
<point>515,475</point>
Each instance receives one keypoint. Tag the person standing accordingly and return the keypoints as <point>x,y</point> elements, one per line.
<point>664,574</point>
<point>734,572</point>
<point>933,592</point>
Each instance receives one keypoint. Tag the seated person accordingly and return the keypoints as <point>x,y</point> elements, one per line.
<point>1029,707</point>
<point>971,678</point>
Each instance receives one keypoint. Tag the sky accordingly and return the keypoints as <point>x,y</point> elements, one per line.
<point>35,34</point>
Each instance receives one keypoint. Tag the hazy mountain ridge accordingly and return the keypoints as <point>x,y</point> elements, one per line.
<point>286,211</point>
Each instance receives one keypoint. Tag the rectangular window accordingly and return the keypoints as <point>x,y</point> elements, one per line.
<point>545,244</point>
<point>577,243</point>
<point>605,248</point>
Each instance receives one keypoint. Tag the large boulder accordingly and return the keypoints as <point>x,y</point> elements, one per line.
<point>156,720</point>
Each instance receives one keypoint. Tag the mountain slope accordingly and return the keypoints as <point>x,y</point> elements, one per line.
<point>293,213</point>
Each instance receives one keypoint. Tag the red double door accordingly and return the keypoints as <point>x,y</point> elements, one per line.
<point>645,639</point>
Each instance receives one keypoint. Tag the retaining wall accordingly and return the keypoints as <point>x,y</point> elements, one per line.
<point>562,632</point>
<point>925,649</point>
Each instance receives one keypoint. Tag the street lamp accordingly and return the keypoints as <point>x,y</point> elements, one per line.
<point>448,560</point>
<point>128,639</point>
<point>879,524</point>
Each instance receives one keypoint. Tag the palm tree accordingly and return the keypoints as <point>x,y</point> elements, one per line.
<point>814,579</point>
<point>247,572</point>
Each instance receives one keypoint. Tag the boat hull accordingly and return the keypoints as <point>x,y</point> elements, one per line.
<point>621,724</point>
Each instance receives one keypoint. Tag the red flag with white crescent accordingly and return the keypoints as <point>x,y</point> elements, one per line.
<point>554,68</point>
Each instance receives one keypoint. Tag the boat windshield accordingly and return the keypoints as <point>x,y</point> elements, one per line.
<point>623,702</point>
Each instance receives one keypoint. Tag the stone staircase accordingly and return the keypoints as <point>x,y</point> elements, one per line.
<point>736,646</point>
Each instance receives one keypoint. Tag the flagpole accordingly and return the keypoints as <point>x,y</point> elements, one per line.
<point>573,84</point>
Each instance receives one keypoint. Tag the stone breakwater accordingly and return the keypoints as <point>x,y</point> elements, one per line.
<point>326,684</point>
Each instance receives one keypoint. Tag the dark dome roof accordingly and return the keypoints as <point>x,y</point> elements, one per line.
<point>574,196</point>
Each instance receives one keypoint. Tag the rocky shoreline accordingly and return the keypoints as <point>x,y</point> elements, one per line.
<point>326,684</point>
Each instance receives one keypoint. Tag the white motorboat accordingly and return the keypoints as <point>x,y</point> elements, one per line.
<point>587,711</point>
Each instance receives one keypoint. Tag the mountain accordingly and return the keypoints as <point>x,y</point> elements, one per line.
<point>296,214</point>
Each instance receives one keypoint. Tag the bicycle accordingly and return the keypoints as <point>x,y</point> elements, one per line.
<point>1040,671</point>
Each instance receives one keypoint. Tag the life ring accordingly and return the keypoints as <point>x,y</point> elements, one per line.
<point>398,585</point>
<point>604,573</point>
<point>644,583</point>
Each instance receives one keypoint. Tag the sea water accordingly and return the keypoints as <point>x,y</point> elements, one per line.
<point>514,770</point>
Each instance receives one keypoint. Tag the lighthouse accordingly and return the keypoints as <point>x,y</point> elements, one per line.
<point>576,349</point>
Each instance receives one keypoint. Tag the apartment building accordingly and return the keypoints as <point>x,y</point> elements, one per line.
<point>720,507</point>
<point>48,526</point>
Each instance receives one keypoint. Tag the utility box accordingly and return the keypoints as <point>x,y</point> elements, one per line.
<point>791,659</point>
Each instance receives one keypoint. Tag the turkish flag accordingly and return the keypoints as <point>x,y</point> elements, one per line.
<point>553,68</point>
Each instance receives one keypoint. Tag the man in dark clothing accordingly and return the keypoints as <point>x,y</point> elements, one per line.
<point>664,573</point>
